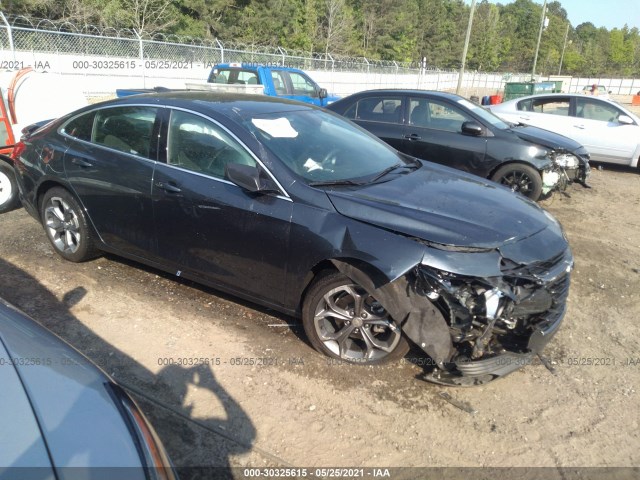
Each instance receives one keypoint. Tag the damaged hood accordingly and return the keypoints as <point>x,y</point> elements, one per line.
<point>444,206</point>
<point>546,138</point>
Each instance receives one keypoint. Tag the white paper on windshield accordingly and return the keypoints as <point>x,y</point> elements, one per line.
<point>466,103</point>
<point>312,165</point>
<point>277,128</point>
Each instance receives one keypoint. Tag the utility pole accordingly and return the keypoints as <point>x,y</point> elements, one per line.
<point>466,46</point>
<point>542,22</point>
<point>566,35</point>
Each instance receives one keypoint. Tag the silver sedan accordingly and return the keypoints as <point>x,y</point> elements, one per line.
<point>610,132</point>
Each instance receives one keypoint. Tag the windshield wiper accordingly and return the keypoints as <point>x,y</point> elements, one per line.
<point>336,182</point>
<point>390,169</point>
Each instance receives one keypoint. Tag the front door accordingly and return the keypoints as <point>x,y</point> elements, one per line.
<point>434,133</point>
<point>209,226</point>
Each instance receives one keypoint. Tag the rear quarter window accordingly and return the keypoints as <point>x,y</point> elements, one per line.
<point>80,127</point>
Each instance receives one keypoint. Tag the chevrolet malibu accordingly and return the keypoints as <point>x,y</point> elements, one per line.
<point>302,211</point>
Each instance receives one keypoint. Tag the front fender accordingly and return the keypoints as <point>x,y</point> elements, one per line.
<point>419,319</point>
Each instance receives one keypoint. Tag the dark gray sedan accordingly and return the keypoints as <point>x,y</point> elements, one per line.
<point>293,207</point>
<point>448,129</point>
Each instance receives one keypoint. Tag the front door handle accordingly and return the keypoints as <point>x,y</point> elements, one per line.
<point>167,187</point>
<point>523,117</point>
<point>581,127</point>
<point>81,163</point>
<point>413,137</point>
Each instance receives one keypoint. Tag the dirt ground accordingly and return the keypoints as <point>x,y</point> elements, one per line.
<point>229,384</point>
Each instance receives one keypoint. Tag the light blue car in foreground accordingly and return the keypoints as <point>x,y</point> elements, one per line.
<point>61,417</point>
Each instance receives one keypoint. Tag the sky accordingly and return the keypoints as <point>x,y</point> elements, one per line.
<point>602,13</point>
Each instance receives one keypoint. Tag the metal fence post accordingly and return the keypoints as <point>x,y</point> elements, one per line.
<point>283,53</point>
<point>141,49</point>
<point>221,46</point>
<point>9,35</point>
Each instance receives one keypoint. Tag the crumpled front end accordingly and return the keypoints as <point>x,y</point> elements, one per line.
<point>497,324</point>
<point>481,313</point>
<point>570,167</point>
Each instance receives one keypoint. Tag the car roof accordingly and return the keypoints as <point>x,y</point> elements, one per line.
<point>254,66</point>
<point>229,104</point>
<point>548,95</point>
<point>400,91</point>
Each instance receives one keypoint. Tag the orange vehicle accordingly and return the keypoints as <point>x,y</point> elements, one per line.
<point>8,186</point>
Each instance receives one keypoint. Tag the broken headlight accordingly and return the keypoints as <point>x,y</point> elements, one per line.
<point>566,160</point>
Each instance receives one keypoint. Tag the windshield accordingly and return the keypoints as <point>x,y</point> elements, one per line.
<point>323,148</point>
<point>484,114</point>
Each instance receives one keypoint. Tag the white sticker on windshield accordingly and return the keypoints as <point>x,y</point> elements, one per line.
<point>312,165</point>
<point>277,128</point>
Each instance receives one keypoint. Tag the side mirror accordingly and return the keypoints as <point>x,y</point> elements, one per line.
<point>472,128</point>
<point>322,93</point>
<point>249,178</point>
<point>625,120</point>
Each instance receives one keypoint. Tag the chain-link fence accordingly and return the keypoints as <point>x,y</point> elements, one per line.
<point>102,60</point>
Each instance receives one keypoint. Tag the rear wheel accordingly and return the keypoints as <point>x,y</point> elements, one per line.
<point>8,188</point>
<point>67,227</point>
<point>343,321</point>
<point>520,178</point>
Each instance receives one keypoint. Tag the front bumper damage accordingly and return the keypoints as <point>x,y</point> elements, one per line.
<point>567,168</point>
<point>476,328</point>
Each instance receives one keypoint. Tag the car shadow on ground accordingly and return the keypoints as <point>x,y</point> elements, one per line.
<point>161,395</point>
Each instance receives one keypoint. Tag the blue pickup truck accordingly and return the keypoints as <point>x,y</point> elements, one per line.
<point>277,81</point>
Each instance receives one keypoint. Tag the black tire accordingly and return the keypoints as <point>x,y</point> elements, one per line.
<point>8,188</point>
<point>67,226</point>
<point>369,336</point>
<point>520,178</point>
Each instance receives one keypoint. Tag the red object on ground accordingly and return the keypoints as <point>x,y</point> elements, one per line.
<point>495,99</point>
<point>635,100</point>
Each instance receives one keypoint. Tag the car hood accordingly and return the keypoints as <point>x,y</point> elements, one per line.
<point>546,138</point>
<point>444,206</point>
<point>67,399</point>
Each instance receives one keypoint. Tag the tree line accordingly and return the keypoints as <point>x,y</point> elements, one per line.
<point>503,38</point>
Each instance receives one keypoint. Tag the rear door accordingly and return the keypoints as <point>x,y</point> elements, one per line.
<point>434,133</point>
<point>551,113</point>
<point>381,114</point>
<point>109,164</point>
<point>207,225</point>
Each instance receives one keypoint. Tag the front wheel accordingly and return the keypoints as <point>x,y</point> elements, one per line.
<point>343,321</point>
<point>520,178</point>
<point>8,188</point>
<point>67,227</point>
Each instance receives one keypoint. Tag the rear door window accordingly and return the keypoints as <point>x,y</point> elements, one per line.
<point>386,109</point>
<point>551,106</point>
<point>81,127</point>
<point>126,129</point>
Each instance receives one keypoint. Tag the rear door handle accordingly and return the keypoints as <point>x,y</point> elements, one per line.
<point>167,187</point>
<point>581,127</point>
<point>413,137</point>
<point>525,118</point>
<point>81,163</point>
